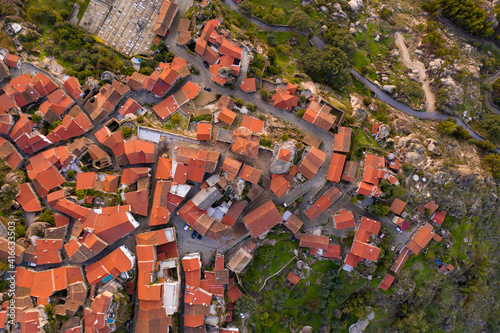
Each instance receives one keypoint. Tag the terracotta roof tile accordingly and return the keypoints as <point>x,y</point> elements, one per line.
<point>250,174</point>
<point>344,220</point>
<point>262,219</point>
<point>248,85</point>
<point>336,167</point>
<point>27,198</point>
<point>386,282</point>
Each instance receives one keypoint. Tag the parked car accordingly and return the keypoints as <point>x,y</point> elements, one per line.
<point>208,89</point>
<point>382,235</point>
<point>398,229</point>
<point>200,236</point>
<point>186,227</point>
<point>195,233</point>
<point>206,64</point>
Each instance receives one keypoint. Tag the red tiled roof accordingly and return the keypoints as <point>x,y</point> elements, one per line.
<point>336,167</point>
<point>293,278</point>
<point>293,223</point>
<point>132,175</point>
<point>323,203</point>
<point>279,185</point>
<point>113,264</point>
<point>234,212</point>
<point>311,163</point>
<point>164,168</point>
<point>250,174</point>
<point>248,85</point>
<point>234,293</point>
<point>139,152</point>
<point>129,107</point>
<point>227,116</point>
<point>165,18</point>
<point>230,49</point>
<point>262,219</point>
<point>138,200</point>
<point>12,60</point>
<point>203,131</point>
<point>438,217</point>
<point>344,220</point>
<point>397,206</point>
<point>314,242</point>
<point>72,86</point>
<point>191,90</point>
<point>365,251</point>
<point>342,140</point>
<point>386,282</point>
<point>253,124</point>
<point>27,198</point>
<point>284,100</point>
<point>231,165</point>
<point>421,238</point>
<point>333,251</point>
<point>431,206</point>
<point>284,155</point>
<point>166,107</point>
<point>85,180</point>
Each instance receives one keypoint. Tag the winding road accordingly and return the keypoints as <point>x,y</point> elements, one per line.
<point>205,79</point>
<point>405,56</point>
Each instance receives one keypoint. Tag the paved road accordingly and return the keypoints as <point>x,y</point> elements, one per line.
<point>489,104</point>
<point>205,78</point>
<point>318,42</point>
<point>381,95</point>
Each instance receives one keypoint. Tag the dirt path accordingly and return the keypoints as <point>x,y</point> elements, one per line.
<point>429,96</point>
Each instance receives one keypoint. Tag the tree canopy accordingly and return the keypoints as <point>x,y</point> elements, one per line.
<point>330,66</point>
<point>246,7</point>
<point>299,20</point>
<point>245,304</point>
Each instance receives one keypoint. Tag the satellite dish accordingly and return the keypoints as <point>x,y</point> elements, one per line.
<point>415,177</point>
<point>424,179</point>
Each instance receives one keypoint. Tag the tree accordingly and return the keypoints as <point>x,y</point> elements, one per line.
<point>36,118</point>
<point>239,101</point>
<point>175,119</point>
<point>127,132</point>
<point>491,163</point>
<point>492,126</point>
<point>341,38</point>
<point>266,253</point>
<point>284,137</point>
<point>300,113</point>
<point>264,93</point>
<point>278,301</point>
<point>379,209</point>
<point>299,20</point>
<point>447,127</point>
<point>330,66</point>
<point>47,216</point>
<point>245,304</point>
<point>313,305</point>
<point>246,7</point>
<point>70,174</point>
<point>251,107</point>
<point>271,39</point>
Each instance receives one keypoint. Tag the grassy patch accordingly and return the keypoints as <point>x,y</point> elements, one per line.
<point>83,7</point>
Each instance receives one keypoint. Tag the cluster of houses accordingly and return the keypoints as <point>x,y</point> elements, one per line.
<point>229,190</point>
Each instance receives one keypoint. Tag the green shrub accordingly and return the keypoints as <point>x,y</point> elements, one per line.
<point>266,142</point>
<point>300,113</point>
<point>47,216</point>
<point>70,174</point>
<point>127,132</point>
